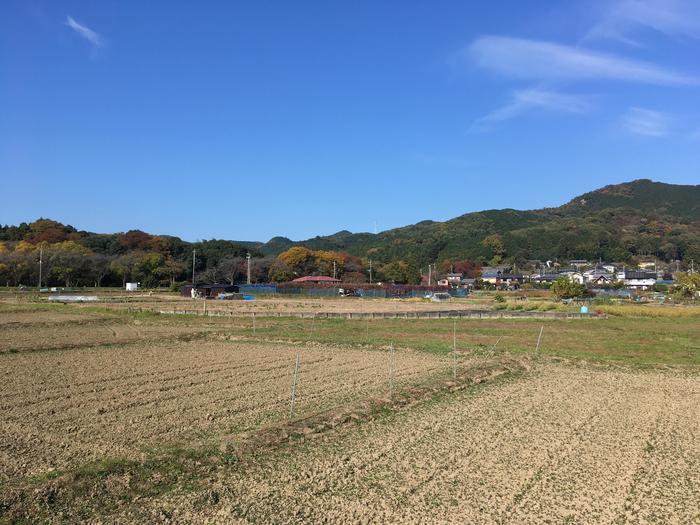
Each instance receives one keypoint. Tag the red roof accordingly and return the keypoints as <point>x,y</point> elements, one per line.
<point>316,279</point>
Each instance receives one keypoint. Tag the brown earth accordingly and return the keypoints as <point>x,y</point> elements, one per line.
<point>67,407</point>
<point>264,305</point>
<point>565,444</point>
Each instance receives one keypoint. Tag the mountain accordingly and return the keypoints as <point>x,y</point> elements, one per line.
<point>617,222</point>
<point>642,195</point>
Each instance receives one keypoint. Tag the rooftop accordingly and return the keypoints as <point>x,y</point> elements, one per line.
<point>316,279</point>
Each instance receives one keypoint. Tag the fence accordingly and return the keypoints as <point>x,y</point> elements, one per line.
<point>386,291</point>
<point>425,314</point>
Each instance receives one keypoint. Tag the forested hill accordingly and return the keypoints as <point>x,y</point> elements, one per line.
<point>620,222</point>
<point>617,222</point>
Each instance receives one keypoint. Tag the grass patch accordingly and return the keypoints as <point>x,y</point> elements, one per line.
<point>639,341</point>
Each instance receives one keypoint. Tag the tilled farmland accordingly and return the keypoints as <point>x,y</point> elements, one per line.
<point>175,419</point>
<point>64,407</point>
<point>564,444</point>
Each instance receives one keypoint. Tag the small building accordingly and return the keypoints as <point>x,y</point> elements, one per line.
<point>132,287</point>
<point>576,277</point>
<point>578,263</point>
<point>316,279</point>
<point>599,276</point>
<point>468,283</point>
<point>210,291</point>
<point>453,279</point>
<point>600,280</point>
<point>544,278</point>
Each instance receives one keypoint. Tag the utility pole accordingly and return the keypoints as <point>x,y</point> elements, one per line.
<point>247,256</point>
<point>333,269</point>
<point>41,262</point>
<point>194,258</point>
<point>370,271</point>
<point>430,274</point>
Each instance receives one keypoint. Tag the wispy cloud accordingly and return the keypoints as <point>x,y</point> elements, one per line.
<point>534,59</point>
<point>647,122</point>
<point>85,32</point>
<point>529,99</point>
<point>670,17</point>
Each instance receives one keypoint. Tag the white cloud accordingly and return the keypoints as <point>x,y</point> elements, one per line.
<point>534,59</point>
<point>526,100</point>
<point>670,17</point>
<point>647,122</point>
<point>85,32</point>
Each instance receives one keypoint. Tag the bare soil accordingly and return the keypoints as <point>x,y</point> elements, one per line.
<point>67,407</point>
<point>268,305</point>
<point>565,444</point>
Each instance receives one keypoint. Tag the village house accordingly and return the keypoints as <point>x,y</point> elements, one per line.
<point>574,276</point>
<point>601,275</point>
<point>638,279</point>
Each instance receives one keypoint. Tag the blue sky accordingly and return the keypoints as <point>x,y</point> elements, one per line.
<point>245,120</point>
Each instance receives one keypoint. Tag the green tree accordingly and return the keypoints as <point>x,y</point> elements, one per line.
<point>565,288</point>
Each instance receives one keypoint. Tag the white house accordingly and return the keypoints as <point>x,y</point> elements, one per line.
<point>576,277</point>
<point>637,279</point>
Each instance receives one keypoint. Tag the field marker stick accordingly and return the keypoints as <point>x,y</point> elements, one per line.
<point>294,387</point>
<point>537,348</point>
<point>493,348</point>
<point>454,349</point>
<point>253,323</point>
<point>392,367</point>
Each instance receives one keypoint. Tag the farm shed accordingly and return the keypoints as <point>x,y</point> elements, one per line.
<point>208,290</point>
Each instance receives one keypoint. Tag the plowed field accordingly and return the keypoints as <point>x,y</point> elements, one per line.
<point>563,444</point>
<point>128,418</point>
<point>64,407</point>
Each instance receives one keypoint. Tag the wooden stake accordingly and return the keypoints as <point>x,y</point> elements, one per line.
<point>294,387</point>
<point>392,370</point>
<point>493,348</point>
<point>253,323</point>
<point>537,348</point>
<point>454,349</point>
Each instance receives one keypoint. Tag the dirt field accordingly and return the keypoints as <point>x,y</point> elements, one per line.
<point>298,304</point>
<point>66,407</point>
<point>564,444</point>
<point>129,418</point>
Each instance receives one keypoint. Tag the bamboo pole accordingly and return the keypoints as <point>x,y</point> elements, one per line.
<point>295,378</point>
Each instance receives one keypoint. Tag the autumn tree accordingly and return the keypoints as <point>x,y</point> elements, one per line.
<point>298,259</point>
<point>687,285</point>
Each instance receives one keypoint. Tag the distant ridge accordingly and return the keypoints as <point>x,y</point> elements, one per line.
<point>617,222</point>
